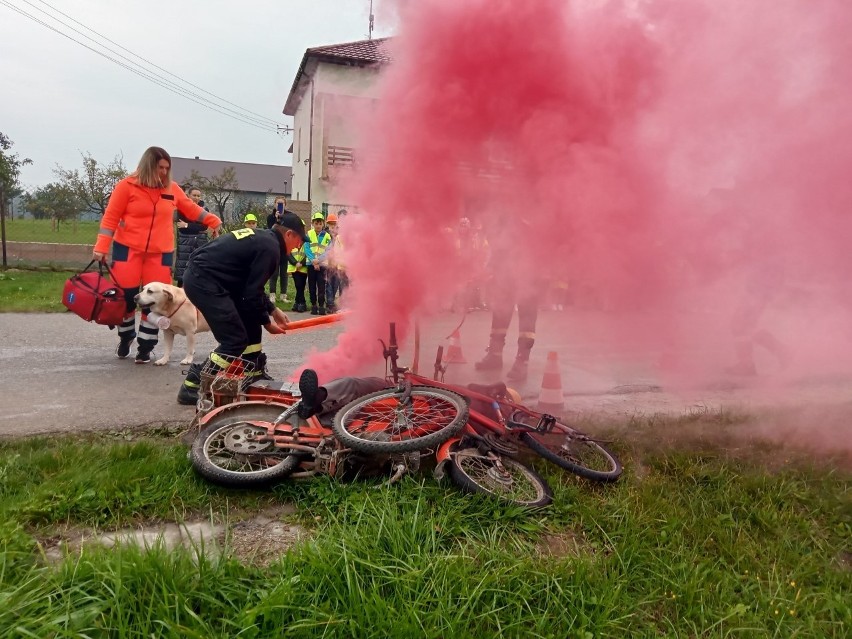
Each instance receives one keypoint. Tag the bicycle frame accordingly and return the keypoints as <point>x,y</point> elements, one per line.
<point>503,426</point>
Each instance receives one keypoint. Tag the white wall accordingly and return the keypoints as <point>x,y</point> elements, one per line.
<point>340,94</point>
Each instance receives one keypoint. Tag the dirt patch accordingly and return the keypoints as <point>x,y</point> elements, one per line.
<point>253,538</point>
<point>563,544</point>
<point>260,541</point>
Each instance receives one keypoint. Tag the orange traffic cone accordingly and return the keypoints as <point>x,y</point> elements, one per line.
<point>550,400</point>
<point>454,352</point>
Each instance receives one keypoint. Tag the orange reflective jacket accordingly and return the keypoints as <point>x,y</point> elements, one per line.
<point>141,217</point>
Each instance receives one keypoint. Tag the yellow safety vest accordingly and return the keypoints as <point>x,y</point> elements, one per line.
<point>318,247</point>
<point>299,255</point>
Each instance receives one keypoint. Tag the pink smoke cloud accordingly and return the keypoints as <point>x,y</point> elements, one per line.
<point>685,161</point>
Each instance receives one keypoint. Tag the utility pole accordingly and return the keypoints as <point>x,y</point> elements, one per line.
<point>370,34</point>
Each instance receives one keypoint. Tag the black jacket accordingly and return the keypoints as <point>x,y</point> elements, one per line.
<point>242,261</point>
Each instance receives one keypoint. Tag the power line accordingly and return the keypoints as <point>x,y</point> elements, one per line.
<point>155,80</point>
<point>175,88</point>
<point>136,55</point>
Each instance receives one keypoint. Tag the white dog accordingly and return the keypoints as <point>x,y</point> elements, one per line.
<point>184,319</point>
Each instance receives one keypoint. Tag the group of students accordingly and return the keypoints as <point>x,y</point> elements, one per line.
<point>324,275</point>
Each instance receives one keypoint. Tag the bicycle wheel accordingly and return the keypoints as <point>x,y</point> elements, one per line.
<point>223,454</point>
<point>381,423</point>
<point>576,452</point>
<point>504,478</point>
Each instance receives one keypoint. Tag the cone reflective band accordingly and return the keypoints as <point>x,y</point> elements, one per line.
<point>550,398</point>
<point>454,351</point>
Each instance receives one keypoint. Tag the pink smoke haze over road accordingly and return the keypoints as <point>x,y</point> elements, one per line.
<point>682,165</point>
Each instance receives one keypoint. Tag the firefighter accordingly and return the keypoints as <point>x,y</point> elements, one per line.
<point>138,225</point>
<point>319,238</point>
<point>225,280</point>
<point>510,287</point>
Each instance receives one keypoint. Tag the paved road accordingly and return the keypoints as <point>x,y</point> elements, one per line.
<point>59,373</point>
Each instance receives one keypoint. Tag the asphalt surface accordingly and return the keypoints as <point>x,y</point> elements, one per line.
<point>60,374</point>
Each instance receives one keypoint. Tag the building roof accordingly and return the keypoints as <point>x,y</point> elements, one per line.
<point>366,51</point>
<point>259,178</point>
<point>361,53</point>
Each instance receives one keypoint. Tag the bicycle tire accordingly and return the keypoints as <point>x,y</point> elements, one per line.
<point>215,463</point>
<point>373,423</point>
<point>474,473</point>
<point>574,451</point>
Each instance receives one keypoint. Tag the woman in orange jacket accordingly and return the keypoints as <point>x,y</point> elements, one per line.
<point>138,224</point>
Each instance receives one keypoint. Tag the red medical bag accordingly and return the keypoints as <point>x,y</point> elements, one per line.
<point>94,297</point>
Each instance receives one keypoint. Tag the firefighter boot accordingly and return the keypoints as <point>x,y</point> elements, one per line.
<point>518,371</point>
<point>493,360</point>
<point>188,393</point>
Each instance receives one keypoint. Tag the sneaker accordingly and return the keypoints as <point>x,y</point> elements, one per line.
<point>314,310</point>
<point>322,311</point>
<point>143,357</point>
<point>271,297</point>
<point>285,299</point>
<point>313,395</point>
<point>123,349</point>
<point>332,309</point>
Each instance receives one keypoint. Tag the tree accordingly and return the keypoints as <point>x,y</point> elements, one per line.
<point>10,174</point>
<point>95,182</point>
<point>56,201</point>
<point>217,189</point>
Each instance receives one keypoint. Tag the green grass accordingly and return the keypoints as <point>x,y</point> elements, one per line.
<point>32,291</point>
<point>30,230</point>
<point>40,291</point>
<point>702,545</point>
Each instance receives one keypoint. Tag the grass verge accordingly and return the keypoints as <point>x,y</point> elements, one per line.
<point>23,291</point>
<point>701,545</point>
<point>40,291</point>
<point>31,230</point>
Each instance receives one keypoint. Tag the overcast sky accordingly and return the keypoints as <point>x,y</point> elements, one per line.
<point>58,98</point>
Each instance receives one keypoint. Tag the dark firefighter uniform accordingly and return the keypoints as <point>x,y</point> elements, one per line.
<point>225,280</point>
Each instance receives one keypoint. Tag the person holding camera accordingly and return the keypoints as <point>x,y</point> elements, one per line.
<point>278,209</point>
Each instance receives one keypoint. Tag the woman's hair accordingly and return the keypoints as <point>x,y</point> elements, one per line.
<point>146,172</point>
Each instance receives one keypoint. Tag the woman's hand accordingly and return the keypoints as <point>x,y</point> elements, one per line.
<point>100,257</point>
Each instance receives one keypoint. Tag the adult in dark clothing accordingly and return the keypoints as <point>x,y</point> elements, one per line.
<point>225,281</point>
<point>191,236</point>
<point>278,209</point>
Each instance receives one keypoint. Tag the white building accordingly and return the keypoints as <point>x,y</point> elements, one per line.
<point>333,86</point>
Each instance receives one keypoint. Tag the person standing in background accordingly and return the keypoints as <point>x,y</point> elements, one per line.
<point>319,239</point>
<point>335,276</point>
<point>191,236</point>
<point>279,208</point>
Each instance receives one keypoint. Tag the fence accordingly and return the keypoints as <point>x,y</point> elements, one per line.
<point>47,254</point>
